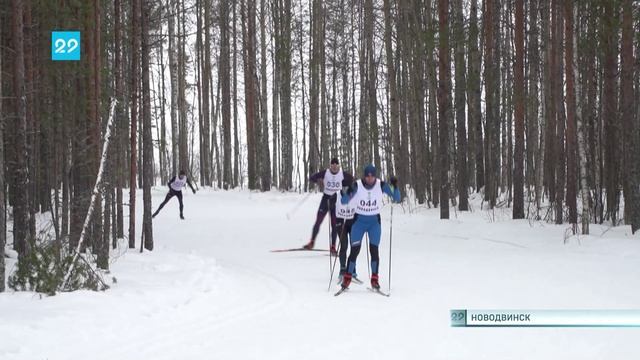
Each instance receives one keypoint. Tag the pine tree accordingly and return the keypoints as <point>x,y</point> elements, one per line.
<point>3,214</point>
<point>225,86</point>
<point>314,91</point>
<point>147,144</point>
<point>444,104</point>
<point>206,74</point>
<point>120,127</point>
<point>172,6</point>
<point>627,110</point>
<point>518,177</point>
<point>21,215</point>
<point>460,102</point>
<point>476,145</point>
<point>610,110</point>
<point>250,88</point>
<point>135,67</point>
<point>263,146</point>
<point>572,137</point>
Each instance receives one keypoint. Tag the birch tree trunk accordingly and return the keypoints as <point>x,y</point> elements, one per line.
<point>582,156</point>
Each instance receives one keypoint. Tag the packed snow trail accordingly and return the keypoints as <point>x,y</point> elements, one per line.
<point>212,289</point>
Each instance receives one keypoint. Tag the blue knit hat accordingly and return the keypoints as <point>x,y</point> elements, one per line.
<point>369,169</point>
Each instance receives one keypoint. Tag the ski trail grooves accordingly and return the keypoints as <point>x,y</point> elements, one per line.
<point>195,314</point>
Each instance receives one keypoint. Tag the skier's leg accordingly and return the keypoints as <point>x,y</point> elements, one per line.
<point>347,231</point>
<point>179,195</point>
<point>166,200</point>
<point>342,228</point>
<point>357,233</point>
<point>375,232</point>
<point>322,212</point>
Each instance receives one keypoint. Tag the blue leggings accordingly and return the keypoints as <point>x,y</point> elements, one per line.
<point>369,224</point>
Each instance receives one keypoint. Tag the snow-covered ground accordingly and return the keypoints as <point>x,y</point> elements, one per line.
<point>212,289</point>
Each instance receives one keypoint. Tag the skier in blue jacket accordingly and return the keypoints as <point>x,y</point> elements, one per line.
<point>366,193</point>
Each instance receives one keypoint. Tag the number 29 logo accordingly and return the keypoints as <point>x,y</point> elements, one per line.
<point>65,45</point>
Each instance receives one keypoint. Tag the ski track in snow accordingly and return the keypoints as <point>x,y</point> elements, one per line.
<point>208,320</point>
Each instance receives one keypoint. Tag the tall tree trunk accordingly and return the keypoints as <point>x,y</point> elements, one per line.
<point>164,172</point>
<point>100,241</point>
<point>432,86</point>
<point>461,130</point>
<point>572,137</point>
<point>444,104</point>
<point>324,123</point>
<point>249,56</point>
<point>400,154</point>
<point>582,134</point>
<point>225,72</point>
<point>198,70</point>
<point>237,165</point>
<point>533,103</point>
<point>610,110</point>
<point>120,128</point>
<point>183,129</point>
<point>275,98</point>
<point>560,114</point>
<point>630,126</point>
<point>21,217</point>
<point>206,74</point>
<point>415,101</point>
<point>476,146</point>
<point>135,66</point>
<point>492,102</point>
<point>372,102</point>
<point>146,129</point>
<point>314,91</point>
<point>549,102</point>
<point>32,116</point>
<point>518,176</point>
<point>265,157</point>
<point>3,214</point>
<point>172,6</point>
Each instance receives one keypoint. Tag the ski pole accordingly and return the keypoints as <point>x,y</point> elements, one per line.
<point>330,229</point>
<point>368,261</point>
<point>390,243</point>
<point>297,206</point>
<point>344,225</point>
<point>333,267</point>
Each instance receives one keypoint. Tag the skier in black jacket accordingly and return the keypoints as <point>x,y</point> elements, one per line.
<point>175,189</point>
<point>331,180</point>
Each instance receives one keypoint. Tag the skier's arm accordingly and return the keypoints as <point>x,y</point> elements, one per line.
<point>317,176</point>
<point>391,189</point>
<point>349,193</point>
<point>171,181</point>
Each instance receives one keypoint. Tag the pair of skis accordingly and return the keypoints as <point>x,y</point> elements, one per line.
<point>373,290</point>
<point>342,290</point>
<point>359,282</point>
<point>298,249</point>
